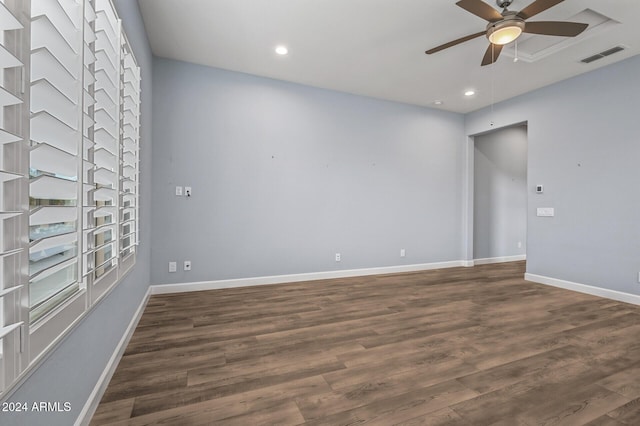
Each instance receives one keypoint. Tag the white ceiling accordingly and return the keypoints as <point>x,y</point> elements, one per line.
<point>376,47</point>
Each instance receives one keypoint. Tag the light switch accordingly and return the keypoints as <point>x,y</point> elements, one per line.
<point>179,191</point>
<point>546,212</point>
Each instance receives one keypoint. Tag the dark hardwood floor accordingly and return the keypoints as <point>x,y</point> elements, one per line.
<point>461,346</point>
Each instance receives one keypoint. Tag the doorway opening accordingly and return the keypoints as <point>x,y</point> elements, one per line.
<point>500,195</point>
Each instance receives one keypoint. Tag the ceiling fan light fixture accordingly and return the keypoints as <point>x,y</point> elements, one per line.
<point>505,35</point>
<point>504,32</point>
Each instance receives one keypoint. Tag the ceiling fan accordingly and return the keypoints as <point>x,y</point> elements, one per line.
<point>505,27</point>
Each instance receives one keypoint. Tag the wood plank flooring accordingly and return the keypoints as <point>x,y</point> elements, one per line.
<point>461,346</point>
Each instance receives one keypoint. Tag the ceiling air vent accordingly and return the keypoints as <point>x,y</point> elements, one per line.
<point>603,54</point>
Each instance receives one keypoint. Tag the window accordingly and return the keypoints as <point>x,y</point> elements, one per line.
<point>70,169</point>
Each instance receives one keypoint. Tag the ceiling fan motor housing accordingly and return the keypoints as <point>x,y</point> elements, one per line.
<point>504,3</point>
<point>510,22</point>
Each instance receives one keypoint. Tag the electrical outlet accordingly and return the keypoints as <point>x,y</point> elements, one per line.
<point>187,265</point>
<point>173,266</point>
<point>338,257</point>
<point>403,253</point>
<point>187,191</point>
<point>519,244</point>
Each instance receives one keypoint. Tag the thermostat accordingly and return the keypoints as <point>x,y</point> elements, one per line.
<point>539,189</point>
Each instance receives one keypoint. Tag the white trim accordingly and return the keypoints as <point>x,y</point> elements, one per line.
<point>84,418</point>
<point>468,263</point>
<point>279,279</point>
<point>468,199</point>
<point>591,31</point>
<point>584,288</point>
<point>502,259</point>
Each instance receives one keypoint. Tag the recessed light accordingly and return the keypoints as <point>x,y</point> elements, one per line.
<point>438,102</point>
<point>469,93</point>
<point>282,50</point>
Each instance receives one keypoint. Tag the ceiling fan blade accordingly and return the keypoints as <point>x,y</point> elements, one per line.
<point>481,9</point>
<point>454,42</point>
<point>565,29</point>
<point>536,7</point>
<point>492,53</point>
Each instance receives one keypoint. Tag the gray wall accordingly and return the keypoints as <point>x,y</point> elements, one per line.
<point>500,193</point>
<point>583,147</point>
<point>72,370</point>
<point>284,176</point>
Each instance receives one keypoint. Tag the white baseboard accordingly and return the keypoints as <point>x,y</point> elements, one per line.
<point>583,288</point>
<point>502,259</point>
<point>84,418</point>
<point>280,279</point>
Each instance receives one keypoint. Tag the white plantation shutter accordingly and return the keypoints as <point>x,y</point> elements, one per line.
<point>69,141</point>
<point>106,148</point>
<point>55,169</point>
<point>13,169</point>
<point>90,212</point>
<point>129,145</point>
